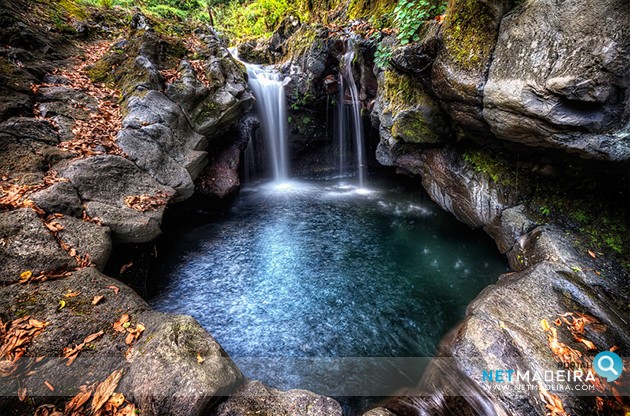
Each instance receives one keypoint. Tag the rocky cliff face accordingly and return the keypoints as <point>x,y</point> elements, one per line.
<point>516,73</point>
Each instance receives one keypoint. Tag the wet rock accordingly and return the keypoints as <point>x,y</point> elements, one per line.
<point>59,198</point>
<point>507,229</point>
<point>256,52</point>
<point>26,244</point>
<point>87,238</point>
<point>379,411</point>
<point>254,398</point>
<point>455,185</point>
<point>103,182</point>
<point>173,346</point>
<point>220,179</point>
<point>564,92</point>
<point>417,58</point>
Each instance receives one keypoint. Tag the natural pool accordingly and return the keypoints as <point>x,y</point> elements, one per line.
<point>300,271</point>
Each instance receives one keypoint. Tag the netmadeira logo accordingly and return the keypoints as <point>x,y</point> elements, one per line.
<point>606,364</point>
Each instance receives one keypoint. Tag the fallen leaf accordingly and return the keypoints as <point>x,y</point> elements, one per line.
<point>50,387</point>
<point>116,289</point>
<point>22,394</point>
<point>592,254</point>
<point>116,400</point>
<point>24,276</point>
<point>62,304</point>
<point>93,337</point>
<point>104,390</point>
<point>125,267</point>
<point>586,342</point>
<point>79,400</point>
<point>134,333</point>
<point>97,299</point>
<point>200,359</point>
<point>545,325</point>
<point>118,325</point>
<point>71,294</point>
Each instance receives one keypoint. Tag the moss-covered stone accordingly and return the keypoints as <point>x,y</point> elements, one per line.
<point>470,33</point>
<point>416,116</point>
<point>487,163</point>
<point>101,72</point>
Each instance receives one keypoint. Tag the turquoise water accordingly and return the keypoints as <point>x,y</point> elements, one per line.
<point>318,269</point>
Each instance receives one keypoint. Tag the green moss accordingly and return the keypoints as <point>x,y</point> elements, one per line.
<point>414,127</point>
<point>400,91</point>
<point>417,118</point>
<point>486,163</point>
<point>600,223</point>
<point>470,33</point>
<point>377,11</point>
<point>301,42</point>
<point>101,72</point>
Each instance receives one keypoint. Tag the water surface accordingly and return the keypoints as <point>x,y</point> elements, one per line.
<point>302,271</point>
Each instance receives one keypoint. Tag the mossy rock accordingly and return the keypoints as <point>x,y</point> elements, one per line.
<point>416,116</point>
<point>470,32</point>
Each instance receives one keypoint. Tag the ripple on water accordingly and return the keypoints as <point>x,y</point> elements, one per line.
<point>307,269</point>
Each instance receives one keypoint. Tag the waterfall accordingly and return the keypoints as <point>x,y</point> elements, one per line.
<point>266,84</point>
<point>349,96</point>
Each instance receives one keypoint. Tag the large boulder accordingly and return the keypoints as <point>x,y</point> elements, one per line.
<point>173,368</point>
<point>558,88</point>
<point>103,182</point>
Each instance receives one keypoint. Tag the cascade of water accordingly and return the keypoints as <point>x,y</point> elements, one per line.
<point>349,95</point>
<point>266,84</point>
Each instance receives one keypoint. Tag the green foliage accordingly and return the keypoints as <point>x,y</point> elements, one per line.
<point>253,20</point>
<point>107,4</point>
<point>545,210</point>
<point>410,15</point>
<point>382,56</point>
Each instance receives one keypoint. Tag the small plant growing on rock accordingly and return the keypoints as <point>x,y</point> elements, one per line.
<point>410,15</point>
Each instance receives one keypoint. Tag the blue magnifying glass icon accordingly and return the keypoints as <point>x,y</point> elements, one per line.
<point>610,364</point>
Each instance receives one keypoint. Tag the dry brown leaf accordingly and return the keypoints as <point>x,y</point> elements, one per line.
<point>125,267</point>
<point>104,390</point>
<point>118,325</point>
<point>200,359</point>
<point>145,202</point>
<point>79,400</point>
<point>93,337</point>
<point>97,299</point>
<point>129,410</point>
<point>116,289</point>
<point>134,333</point>
<point>592,254</point>
<point>22,394</point>
<point>50,386</point>
<point>116,400</point>
<point>71,294</point>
